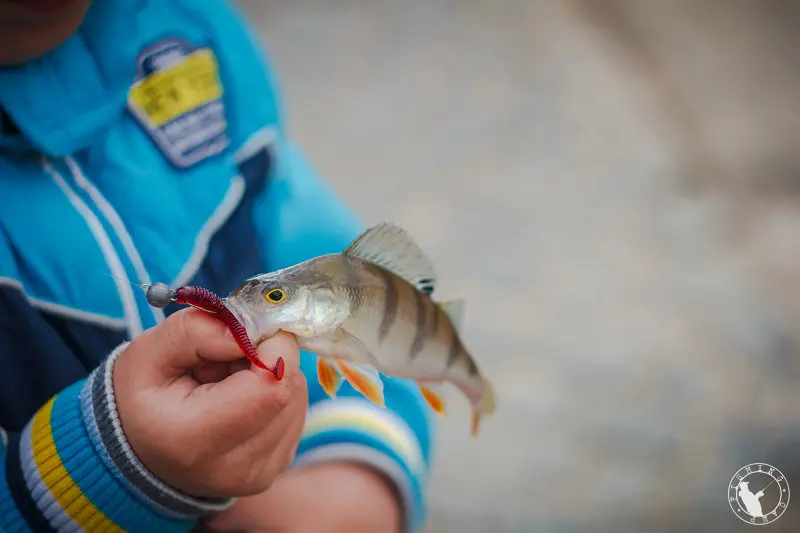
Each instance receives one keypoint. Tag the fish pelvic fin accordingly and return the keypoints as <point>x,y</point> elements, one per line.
<point>328,376</point>
<point>454,309</point>
<point>365,380</point>
<point>433,397</point>
<point>390,247</point>
<point>485,406</point>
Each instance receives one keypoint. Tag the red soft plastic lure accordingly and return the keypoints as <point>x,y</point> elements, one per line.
<point>208,301</point>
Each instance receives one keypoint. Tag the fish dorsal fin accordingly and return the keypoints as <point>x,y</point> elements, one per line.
<point>454,309</point>
<point>390,247</point>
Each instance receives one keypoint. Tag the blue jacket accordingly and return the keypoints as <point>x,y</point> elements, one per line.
<point>152,146</point>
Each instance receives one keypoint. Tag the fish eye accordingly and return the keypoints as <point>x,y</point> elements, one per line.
<point>275,296</point>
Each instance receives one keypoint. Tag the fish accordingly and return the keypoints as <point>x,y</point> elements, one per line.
<point>365,312</point>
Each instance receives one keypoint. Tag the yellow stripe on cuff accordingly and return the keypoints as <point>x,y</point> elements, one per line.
<point>58,481</point>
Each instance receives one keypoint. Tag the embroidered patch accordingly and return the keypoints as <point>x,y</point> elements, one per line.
<point>177,98</point>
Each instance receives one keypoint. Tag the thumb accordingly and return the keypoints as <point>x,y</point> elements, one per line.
<point>183,341</point>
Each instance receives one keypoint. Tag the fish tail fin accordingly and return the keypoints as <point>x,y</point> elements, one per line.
<point>485,406</point>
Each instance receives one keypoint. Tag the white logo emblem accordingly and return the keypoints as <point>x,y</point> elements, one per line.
<point>758,494</point>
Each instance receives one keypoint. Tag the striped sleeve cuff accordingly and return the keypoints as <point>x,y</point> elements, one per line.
<point>80,473</point>
<point>354,429</point>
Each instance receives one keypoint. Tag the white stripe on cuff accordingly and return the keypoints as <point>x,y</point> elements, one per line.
<point>364,416</point>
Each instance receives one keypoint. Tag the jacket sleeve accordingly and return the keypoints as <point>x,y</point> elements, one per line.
<point>302,218</point>
<point>72,469</point>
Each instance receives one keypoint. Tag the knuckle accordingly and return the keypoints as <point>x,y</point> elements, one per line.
<point>175,327</point>
<point>252,478</point>
<point>299,384</point>
<point>281,395</point>
<point>190,327</point>
<point>267,475</point>
<point>288,459</point>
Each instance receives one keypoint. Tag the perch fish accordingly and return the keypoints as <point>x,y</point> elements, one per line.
<point>365,311</point>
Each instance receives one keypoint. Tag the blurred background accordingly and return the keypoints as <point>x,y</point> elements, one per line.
<point>614,187</point>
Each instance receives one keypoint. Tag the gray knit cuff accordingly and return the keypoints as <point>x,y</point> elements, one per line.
<point>99,409</point>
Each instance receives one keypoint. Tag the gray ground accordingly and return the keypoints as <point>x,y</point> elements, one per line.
<point>613,187</point>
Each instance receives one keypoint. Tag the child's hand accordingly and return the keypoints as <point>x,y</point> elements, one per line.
<point>198,423</point>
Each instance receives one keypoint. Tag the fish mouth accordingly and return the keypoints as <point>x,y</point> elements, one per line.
<point>243,317</point>
<point>257,334</point>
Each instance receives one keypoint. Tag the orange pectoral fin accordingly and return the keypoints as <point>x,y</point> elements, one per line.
<point>328,377</point>
<point>434,399</point>
<point>365,380</point>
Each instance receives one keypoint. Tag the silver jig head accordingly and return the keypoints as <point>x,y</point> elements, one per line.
<point>160,295</point>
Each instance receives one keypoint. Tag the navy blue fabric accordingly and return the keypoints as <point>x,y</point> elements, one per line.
<point>40,354</point>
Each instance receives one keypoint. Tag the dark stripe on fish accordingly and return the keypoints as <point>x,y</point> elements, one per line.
<point>390,303</point>
<point>455,347</point>
<point>420,331</point>
<point>473,368</point>
<point>354,288</point>
<point>435,320</point>
<point>425,285</point>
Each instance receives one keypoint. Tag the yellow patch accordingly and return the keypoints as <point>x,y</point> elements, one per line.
<point>174,91</point>
<point>177,99</point>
